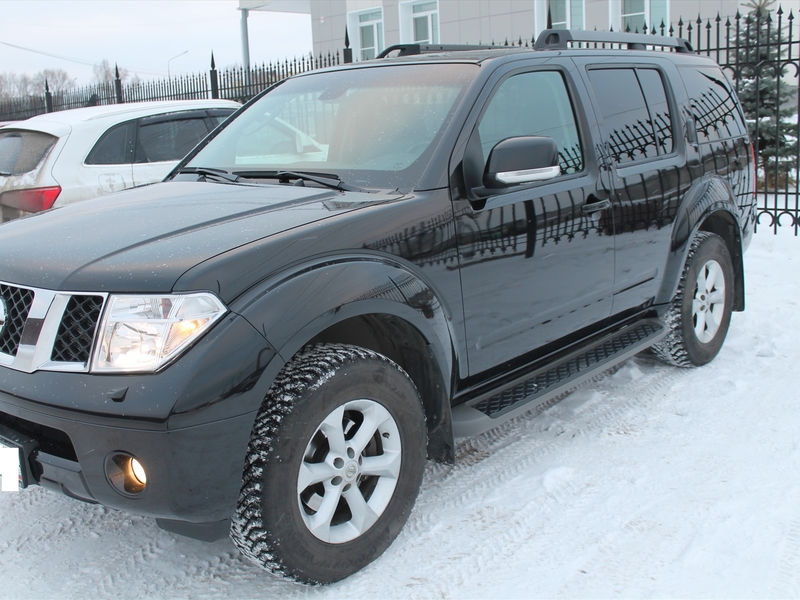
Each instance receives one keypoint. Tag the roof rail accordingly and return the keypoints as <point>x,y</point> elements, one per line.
<point>412,49</point>
<point>558,39</point>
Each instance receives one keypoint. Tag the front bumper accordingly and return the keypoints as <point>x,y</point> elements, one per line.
<point>193,474</point>
<point>189,425</point>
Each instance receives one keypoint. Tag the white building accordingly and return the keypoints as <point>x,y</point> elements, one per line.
<point>373,25</point>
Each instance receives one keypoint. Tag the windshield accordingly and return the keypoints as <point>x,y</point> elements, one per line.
<point>372,127</point>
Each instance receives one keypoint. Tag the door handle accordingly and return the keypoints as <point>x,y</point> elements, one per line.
<point>588,209</point>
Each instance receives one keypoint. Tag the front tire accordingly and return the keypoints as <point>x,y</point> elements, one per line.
<point>700,313</point>
<point>333,467</point>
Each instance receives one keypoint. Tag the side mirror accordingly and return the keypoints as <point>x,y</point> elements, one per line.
<point>521,159</point>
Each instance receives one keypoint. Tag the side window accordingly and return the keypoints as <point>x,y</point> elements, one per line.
<point>534,103</point>
<point>115,146</point>
<point>713,105</point>
<point>656,98</point>
<point>217,116</point>
<point>636,127</point>
<point>168,140</point>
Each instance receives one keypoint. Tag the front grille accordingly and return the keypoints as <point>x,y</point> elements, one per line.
<point>48,330</point>
<point>76,332</point>
<point>18,302</point>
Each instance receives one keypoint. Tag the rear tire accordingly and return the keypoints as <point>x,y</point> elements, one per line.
<point>700,313</point>
<point>334,465</point>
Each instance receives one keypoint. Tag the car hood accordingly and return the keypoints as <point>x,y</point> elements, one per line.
<point>143,240</point>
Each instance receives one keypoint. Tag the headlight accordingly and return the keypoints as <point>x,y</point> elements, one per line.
<point>143,333</point>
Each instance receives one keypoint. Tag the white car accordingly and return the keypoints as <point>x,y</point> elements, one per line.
<point>64,157</point>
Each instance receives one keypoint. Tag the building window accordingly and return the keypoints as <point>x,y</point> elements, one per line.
<point>369,27</point>
<point>635,14</point>
<point>425,17</point>
<point>419,22</point>
<point>567,14</point>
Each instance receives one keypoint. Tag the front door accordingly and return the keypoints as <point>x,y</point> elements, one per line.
<point>537,262</point>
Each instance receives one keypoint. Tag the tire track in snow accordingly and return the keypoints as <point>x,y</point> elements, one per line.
<point>528,449</point>
<point>787,585</point>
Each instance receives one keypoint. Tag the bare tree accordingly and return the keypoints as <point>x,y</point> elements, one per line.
<point>58,81</point>
<point>104,72</point>
<point>13,85</point>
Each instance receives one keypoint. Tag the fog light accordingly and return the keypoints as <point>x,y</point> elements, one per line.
<point>126,474</point>
<point>138,471</point>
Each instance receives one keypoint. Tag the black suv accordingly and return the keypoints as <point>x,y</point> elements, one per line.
<point>364,263</point>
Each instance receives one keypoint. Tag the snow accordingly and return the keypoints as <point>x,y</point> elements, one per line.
<point>651,481</point>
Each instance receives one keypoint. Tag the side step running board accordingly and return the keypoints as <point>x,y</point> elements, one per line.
<point>539,387</point>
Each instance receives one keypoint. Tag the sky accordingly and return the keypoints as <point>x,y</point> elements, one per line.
<point>141,36</point>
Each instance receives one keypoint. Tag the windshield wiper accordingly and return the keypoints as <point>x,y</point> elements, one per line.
<point>211,172</point>
<point>331,181</point>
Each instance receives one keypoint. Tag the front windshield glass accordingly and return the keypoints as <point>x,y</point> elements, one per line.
<point>371,127</point>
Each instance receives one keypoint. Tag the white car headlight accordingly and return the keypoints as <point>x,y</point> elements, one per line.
<point>143,333</point>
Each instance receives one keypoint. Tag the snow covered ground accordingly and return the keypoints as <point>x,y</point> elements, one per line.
<point>649,482</point>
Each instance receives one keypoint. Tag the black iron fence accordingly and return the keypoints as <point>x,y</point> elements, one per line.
<point>760,52</point>
<point>234,84</point>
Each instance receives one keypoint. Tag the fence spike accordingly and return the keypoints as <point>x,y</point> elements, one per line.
<point>213,66</point>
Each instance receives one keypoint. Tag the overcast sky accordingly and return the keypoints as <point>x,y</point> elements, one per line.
<point>141,35</point>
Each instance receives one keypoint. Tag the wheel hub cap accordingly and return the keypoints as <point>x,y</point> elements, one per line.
<point>349,471</point>
<point>708,305</point>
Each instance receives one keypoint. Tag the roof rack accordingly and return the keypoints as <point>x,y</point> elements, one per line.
<point>412,49</point>
<point>558,39</point>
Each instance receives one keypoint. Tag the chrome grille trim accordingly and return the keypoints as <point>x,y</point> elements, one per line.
<point>41,330</point>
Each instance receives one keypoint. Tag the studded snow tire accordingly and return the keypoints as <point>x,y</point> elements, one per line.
<point>700,312</point>
<point>333,467</point>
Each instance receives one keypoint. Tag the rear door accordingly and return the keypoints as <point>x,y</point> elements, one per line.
<point>537,261</point>
<point>647,170</point>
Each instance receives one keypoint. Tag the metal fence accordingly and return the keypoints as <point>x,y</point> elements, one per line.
<point>759,51</point>
<point>233,84</point>
<point>761,54</point>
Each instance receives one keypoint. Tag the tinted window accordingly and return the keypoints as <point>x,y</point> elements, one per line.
<point>628,128</point>
<point>115,147</point>
<point>656,98</point>
<point>169,140</point>
<point>218,115</point>
<point>533,104</point>
<point>713,105</point>
<point>21,151</point>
